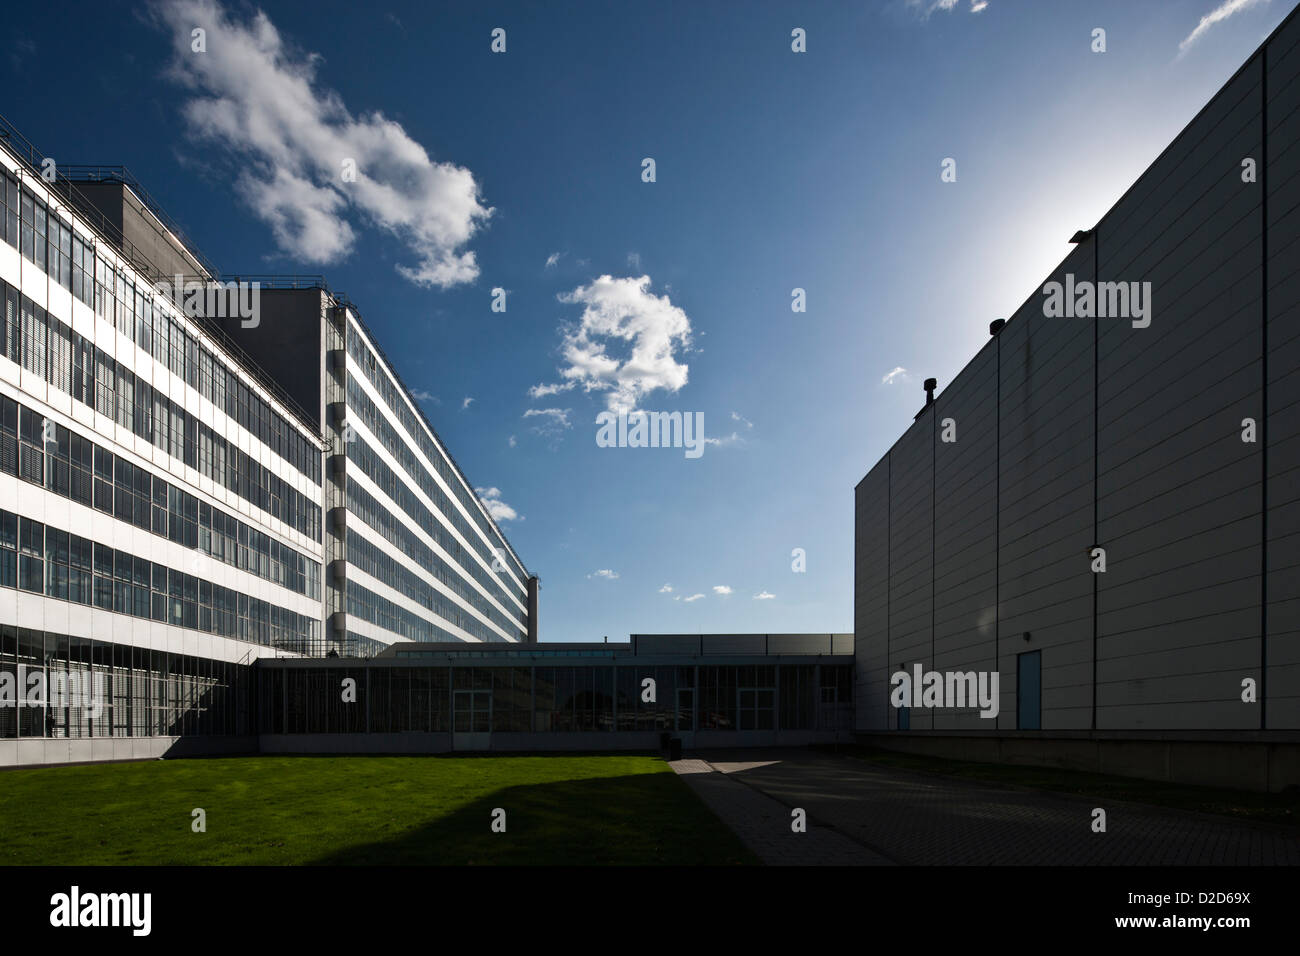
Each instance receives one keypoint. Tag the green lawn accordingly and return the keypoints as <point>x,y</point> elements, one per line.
<point>437,810</point>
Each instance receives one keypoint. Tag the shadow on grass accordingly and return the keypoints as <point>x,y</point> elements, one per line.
<point>635,820</point>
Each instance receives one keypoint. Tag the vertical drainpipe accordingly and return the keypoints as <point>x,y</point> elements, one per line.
<point>532,609</point>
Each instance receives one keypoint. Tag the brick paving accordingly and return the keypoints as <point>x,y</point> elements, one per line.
<point>763,824</point>
<point>860,813</point>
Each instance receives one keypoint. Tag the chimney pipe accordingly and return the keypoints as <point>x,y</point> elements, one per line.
<point>930,385</point>
<point>996,326</point>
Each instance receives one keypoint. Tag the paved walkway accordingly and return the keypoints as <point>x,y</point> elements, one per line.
<point>860,813</point>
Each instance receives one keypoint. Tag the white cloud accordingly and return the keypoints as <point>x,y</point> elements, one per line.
<point>465,403</point>
<point>541,391</point>
<point>605,573</point>
<point>899,374</point>
<point>498,509</point>
<point>420,395</point>
<point>511,441</point>
<point>1217,15</point>
<point>551,422</point>
<point>764,596</point>
<point>737,417</point>
<point>553,259</point>
<point>927,7</point>
<point>623,312</point>
<point>732,439</point>
<point>557,416</point>
<point>693,597</point>
<point>722,589</point>
<point>634,261</point>
<point>257,98</point>
<point>666,589</point>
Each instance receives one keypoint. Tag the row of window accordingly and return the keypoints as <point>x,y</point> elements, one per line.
<point>55,248</point>
<point>380,564</point>
<point>365,357</point>
<point>361,405</point>
<point>604,697</point>
<point>364,506</point>
<point>45,346</point>
<point>369,606</point>
<point>50,561</point>
<point>76,468</point>
<point>99,689</point>
<point>374,467</point>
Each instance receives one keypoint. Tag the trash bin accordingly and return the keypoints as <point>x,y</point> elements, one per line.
<point>675,748</point>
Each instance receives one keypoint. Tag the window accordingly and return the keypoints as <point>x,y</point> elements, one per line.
<point>13,338</point>
<point>60,251</point>
<point>34,344</point>
<point>8,549</point>
<point>31,555</point>
<point>8,208</point>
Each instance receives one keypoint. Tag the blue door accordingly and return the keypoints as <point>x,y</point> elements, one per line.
<point>1029,690</point>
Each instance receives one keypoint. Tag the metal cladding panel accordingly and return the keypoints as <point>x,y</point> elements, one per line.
<point>1045,520</point>
<point>687,644</point>
<point>1178,622</point>
<point>965,508</point>
<point>800,644</point>
<point>911,477</point>
<point>722,644</point>
<point>1282,431</point>
<point>871,597</point>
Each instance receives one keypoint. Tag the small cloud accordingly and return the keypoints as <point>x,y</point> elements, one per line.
<point>737,417</point>
<point>721,589</point>
<point>392,18</point>
<point>541,391</point>
<point>605,573</point>
<point>557,417</point>
<point>764,596</point>
<point>732,439</point>
<point>899,374</point>
<point>1217,15</point>
<point>634,260</point>
<point>666,589</point>
<point>926,7</point>
<point>553,259</point>
<point>693,597</point>
<point>420,395</point>
<point>511,441</point>
<point>465,404</point>
<point>498,509</point>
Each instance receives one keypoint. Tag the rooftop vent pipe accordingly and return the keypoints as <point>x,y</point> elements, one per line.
<point>930,385</point>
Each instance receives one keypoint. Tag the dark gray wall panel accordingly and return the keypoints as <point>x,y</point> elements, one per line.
<point>911,569</point>
<point>1178,618</point>
<point>965,614</point>
<point>1045,524</point>
<point>871,597</point>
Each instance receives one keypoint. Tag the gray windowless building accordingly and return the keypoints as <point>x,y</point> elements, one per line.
<point>1104,506</point>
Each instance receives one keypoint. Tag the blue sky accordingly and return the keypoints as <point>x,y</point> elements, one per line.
<point>522,170</point>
